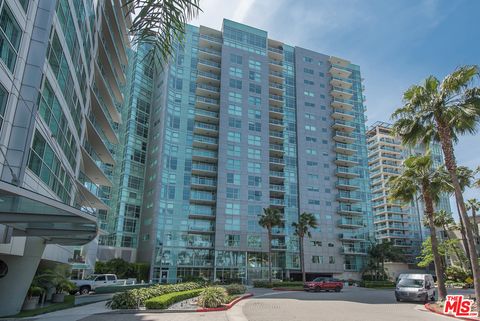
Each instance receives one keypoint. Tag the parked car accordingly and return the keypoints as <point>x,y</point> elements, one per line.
<point>94,281</point>
<point>415,287</point>
<point>323,284</point>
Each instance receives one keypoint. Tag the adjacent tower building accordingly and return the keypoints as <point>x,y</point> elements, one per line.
<point>240,122</point>
<point>393,221</point>
<point>61,75</point>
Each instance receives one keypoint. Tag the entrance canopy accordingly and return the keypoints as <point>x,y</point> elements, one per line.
<point>32,214</point>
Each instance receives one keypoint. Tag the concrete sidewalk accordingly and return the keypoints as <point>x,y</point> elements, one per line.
<point>72,314</point>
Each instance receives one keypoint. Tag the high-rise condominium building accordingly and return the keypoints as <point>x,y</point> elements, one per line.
<point>238,123</point>
<point>61,76</point>
<point>393,220</point>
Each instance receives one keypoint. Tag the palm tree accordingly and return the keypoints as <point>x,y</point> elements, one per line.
<point>306,221</point>
<point>474,205</point>
<point>442,111</point>
<point>270,218</point>
<point>160,23</point>
<point>419,177</point>
<point>381,252</point>
<point>444,220</point>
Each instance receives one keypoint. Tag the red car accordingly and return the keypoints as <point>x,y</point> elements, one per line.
<point>323,284</point>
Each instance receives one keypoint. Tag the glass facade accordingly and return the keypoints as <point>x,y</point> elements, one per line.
<point>230,134</point>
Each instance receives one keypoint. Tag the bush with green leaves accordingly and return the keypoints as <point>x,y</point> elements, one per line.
<point>276,284</point>
<point>213,297</point>
<point>235,289</point>
<point>166,300</point>
<point>135,298</point>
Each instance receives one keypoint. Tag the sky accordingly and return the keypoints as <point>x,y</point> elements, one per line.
<point>396,43</point>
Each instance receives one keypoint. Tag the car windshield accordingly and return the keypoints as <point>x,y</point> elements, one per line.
<point>318,279</point>
<point>410,283</point>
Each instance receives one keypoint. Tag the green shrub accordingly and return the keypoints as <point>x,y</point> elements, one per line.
<point>287,284</point>
<point>377,284</point>
<point>261,284</point>
<point>135,298</point>
<point>166,300</point>
<point>213,297</point>
<point>120,288</point>
<point>235,289</point>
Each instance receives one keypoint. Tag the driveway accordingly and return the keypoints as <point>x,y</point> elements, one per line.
<point>352,304</point>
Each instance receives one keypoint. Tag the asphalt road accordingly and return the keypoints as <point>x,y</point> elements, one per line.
<point>352,304</point>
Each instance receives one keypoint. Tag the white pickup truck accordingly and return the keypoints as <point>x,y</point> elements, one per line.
<point>94,281</point>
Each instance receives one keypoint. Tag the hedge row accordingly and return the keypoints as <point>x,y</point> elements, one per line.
<point>377,284</point>
<point>119,288</point>
<point>276,284</point>
<point>166,300</point>
<point>135,298</point>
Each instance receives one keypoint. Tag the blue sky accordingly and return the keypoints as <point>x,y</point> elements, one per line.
<point>396,43</point>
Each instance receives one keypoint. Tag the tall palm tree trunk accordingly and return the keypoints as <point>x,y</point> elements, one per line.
<point>455,248</point>
<point>270,256</point>
<point>464,239</point>
<point>450,163</point>
<point>475,225</point>
<point>302,261</point>
<point>437,260</point>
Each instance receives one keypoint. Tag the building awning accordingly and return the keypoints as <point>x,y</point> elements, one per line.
<point>32,214</point>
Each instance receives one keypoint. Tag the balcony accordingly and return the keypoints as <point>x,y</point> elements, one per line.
<point>350,223</point>
<point>344,160</point>
<point>206,116</point>
<point>349,210</point>
<point>351,267</point>
<point>393,235</point>
<point>204,169</point>
<point>208,103</point>
<point>346,184</point>
<point>208,77</point>
<point>201,212</point>
<point>280,202</point>
<point>343,137</point>
<point>342,148</point>
<point>207,90</point>
<point>353,250</point>
<point>343,114</point>
<point>201,229</point>
<point>276,88</point>
<point>208,40</point>
<point>277,98</point>
<point>205,142</point>
<point>277,177</point>
<point>275,53</point>
<point>275,76</point>
<point>348,197</point>
<point>276,136</point>
<point>341,82</point>
<point>202,197</point>
<point>276,124</point>
<point>339,71</point>
<point>352,237</point>
<point>205,129</point>
<point>277,189</point>
<point>276,112</point>
<point>346,172</point>
<point>342,93</point>
<point>276,163</point>
<point>200,182</point>
<point>203,155</point>
<point>391,226</point>
<point>342,104</point>
<point>209,66</point>
<point>209,53</point>
<point>342,125</point>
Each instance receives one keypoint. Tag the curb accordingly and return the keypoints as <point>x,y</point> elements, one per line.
<point>226,306</point>
<point>429,308</point>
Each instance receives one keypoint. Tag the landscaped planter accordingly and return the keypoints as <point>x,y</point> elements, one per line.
<point>30,303</point>
<point>58,298</point>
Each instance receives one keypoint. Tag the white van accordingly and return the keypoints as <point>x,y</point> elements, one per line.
<point>415,287</point>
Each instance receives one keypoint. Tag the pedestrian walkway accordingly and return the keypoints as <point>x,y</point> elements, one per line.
<point>72,314</point>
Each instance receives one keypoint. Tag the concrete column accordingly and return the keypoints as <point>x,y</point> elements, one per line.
<point>21,270</point>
